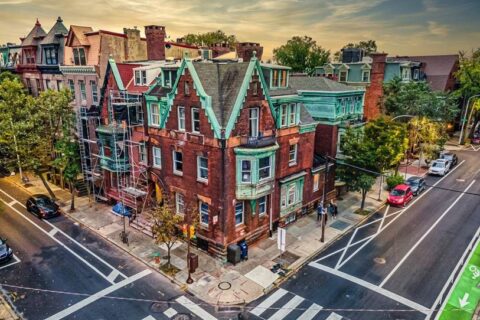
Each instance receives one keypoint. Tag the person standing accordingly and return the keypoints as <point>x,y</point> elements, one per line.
<point>335,211</point>
<point>320,210</point>
<point>331,209</point>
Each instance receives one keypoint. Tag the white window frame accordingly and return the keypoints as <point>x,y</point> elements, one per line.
<point>142,153</point>
<point>71,85</point>
<point>352,105</point>
<point>179,204</point>
<point>175,162</point>
<point>292,114</point>
<point>292,161</point>
<point>345,72</point>
<point>367,72</point>
<point>416,74</point>
<point>140,77</point>
<point>316,182</point>
<point>262,200</point>
<point>261,168</point>
<point>181,118</point>
<point>249,171</point>
<point>157,157</point>
<point>253,121</point>
<point>83,90</point>
<point>155,114</point>
<point>283,115</point>
<point>93,85</point>
<point>200,168</point>
<point>203,213</point>
<point>242,213</point>
<point>195,111</point>
<point>291,191</point>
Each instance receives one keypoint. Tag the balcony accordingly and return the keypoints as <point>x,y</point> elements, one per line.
<point>257,142</point>
<point>254,191</point>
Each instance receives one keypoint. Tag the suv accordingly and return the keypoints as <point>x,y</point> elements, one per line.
<point>6,252</point>
<point>439,167</point>
<point>452,157</point>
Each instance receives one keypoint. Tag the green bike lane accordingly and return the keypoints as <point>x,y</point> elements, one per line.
<point>465,296</point>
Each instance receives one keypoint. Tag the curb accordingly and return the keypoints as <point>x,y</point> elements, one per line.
<point>9,307</point>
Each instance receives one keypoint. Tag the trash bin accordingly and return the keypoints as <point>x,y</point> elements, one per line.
<point>243,250</point>
<point>233,254</point>
<point>193,262</point>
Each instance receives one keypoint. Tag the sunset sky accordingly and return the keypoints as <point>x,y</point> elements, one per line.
<point>400,27</point>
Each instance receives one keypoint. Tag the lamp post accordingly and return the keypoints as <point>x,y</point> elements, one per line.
<point>466,119</point>
<point>324,213</point>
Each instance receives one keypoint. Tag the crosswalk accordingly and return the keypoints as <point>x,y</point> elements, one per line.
<point>183,306</point>
<point>283,304</point>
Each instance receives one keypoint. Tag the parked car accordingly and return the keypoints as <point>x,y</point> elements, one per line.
<point>6,253</point>
<point>450,156</point>
<point>400,195</point>
<point>417,184</point>
<point>439,167</point>
<point>476,138</point>
<point>42,206</point>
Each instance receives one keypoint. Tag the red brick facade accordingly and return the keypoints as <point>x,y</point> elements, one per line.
<point>374,91</point>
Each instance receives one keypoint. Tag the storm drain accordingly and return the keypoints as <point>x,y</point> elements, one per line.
<point>380,260</point>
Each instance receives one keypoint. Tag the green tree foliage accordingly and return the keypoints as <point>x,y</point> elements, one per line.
<point>426,137</point>
<point>417,99</point>
<point>4,75</point>
<point>302,54</point>
<point>68,161</point>
<point>210,38</point>
<point>369,46</point>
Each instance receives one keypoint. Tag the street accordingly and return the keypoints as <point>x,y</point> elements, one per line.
<point>396,265</point>
<point>63,271</point>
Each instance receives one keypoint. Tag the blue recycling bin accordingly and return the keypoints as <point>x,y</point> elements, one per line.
<point>243,250</point>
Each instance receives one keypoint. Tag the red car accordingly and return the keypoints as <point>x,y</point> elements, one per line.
<point>400,195</point>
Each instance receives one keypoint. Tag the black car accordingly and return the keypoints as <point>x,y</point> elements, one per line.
<point>42,206</point>
<point>6,253</point>
<point>417,184</point>
<point>452,157</point>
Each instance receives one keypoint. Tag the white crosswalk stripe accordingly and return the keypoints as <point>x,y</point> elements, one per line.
<point>287,308</point>
<point>334,316</point>
<point>195,308</point>
<point>267,303</point>
<point>311,312</point>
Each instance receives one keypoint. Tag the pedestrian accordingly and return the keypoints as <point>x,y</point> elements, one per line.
<point>336,209</point>
<point>320,210</point>
<point>331,209</point>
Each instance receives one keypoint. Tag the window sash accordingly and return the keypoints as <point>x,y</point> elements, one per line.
<point>202,168</point>
<point>181,118</point>
<point>177,162</point>
<point>93,85</point>
<point>82,56</point>
<point>83,92</point>
<point>316,182</point>
<point>264,168</point>
<point>255,88</point>
<point>144,77</point>
<point>137,77</point>
<point>253,122</point>
<point>239,212</point>
<point>195,120</point>
<point>155,111</point>
<point>246,171</point>
<point>343,76</point>
<point>204,213</point>
<point>292,114</point>
<point>284,78</point>
<point>186,88</point>
<point>179,203</point>
<point>291,195</point>
<point>284,115</point>
<point>292,153</point>
<point>142,153</point>
<point>157,157</point>
<point>366,76</point>
<point>262,206</point>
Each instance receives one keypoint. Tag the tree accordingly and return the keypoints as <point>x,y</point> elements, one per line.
<point>428,136</point>
<point>68,161</point>
<point>4,75</point>
<point>369,46</point>
<point>211,38</point>
<point>165,230</point>
<point>302,54</point>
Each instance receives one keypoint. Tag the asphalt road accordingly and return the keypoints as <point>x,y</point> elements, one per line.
<point>62,271</point>
<point>396,265</point>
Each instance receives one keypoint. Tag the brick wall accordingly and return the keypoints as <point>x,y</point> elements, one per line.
<point>375,89</point>
<point>326,137</point>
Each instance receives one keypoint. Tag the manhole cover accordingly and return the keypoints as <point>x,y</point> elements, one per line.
<point>182,316</point>
<point>157,307</point>
<point>380,260</point>
<point>224,285</point>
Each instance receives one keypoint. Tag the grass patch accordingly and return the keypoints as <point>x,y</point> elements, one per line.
<point>170,270</point>
<point>362,212</point>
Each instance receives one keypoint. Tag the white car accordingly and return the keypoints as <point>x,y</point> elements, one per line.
<point>439,167</point>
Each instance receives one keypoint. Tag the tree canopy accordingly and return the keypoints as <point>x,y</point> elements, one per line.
<point>210,38</point>
<point>302,54</point>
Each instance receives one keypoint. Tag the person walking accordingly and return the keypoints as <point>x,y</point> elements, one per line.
<point>331,209</point>
<point>335,211</point>
<point>320,210</point>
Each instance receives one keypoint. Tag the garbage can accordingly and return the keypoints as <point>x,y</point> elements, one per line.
<point>243,250</point>
<point>193,262</point>
<point>233,254</point>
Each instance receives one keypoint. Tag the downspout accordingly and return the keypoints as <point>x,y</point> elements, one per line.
<point>223,211</point>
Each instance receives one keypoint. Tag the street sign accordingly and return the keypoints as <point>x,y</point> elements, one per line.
<point>281,239</point>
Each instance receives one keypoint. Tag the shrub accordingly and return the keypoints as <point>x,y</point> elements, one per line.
<point>393,181</point>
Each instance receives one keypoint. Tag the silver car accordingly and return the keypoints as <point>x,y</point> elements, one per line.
<point>439,167</point>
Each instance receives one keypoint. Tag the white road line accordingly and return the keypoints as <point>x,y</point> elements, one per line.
<point>370,286</point>
<point>53,232</point>
<point>267,303</point>
<point>425,235</point>
<point>473,244</point>
<point>149,318</point>
<point>383,219</point>
<point>60,243</point>
<point>287,308</point>
<point>401,213</point>
<point>12,202</point>
<point>340,250</point>
<point>74,308</point>
<point>334,316</point>
<point>113,275</point>
<point>170,312</point>
<point>192,306</point>
<point>73,240</point>
<point>17,260</point>
<point>311,312</point>
<point>346,248</point>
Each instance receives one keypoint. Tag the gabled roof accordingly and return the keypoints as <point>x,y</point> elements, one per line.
<point>438,69</point>
<point>78,32</point>
<point>35,35</point>
<point>124,76</point>
<point>56,34</point>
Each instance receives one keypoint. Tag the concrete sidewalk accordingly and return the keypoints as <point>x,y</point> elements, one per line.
<point>216,281</point>
<point>6,311</point>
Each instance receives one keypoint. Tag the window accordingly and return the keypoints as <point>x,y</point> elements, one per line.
<point>343,76</point>
<point>142,153</point>
<point>255,88</point>
<point>284,78</point>
<point>275,78</point>
<point>365,76</point>
<point>29,57</point>
<point>79,56</point>
<point>253,130</point>
<point>292,114</point>
<point>155,114</point>
<point>405,74</point>
<point>246,171</point>
<point>291,195</point>
<point>138,114</point>
<point>51,56</point>
<point>157,157</point>
<point>177,162</point>
<point>316,182</point>
<point>93,86</point>
<point>264,168</point>
<point>202,168</point>
<point>292,154</point>
<point>71,86</point>
<point>416,74</point>
<point>39,86</point>
<point>169,77</point>
<point>141,77</point>
<point>195,120</point>
<point>204,212</point>
<point>179,203</point>
<point>181,118</point>
<point>344,106</point>
<point>262,206</point>
<point>352,105</point>
<point>83,92</point>
<point>283,116</point>
<point>186,88</point>
<point>239,213</point>
<point>48,85</point>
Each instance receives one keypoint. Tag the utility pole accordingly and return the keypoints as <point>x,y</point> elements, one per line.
<point>324,214</point>
<point>466,119</point>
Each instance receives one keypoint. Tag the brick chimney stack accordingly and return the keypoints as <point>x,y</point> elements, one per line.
<point>375,90</point>
<point>245,50</point>
<point>155,42</point>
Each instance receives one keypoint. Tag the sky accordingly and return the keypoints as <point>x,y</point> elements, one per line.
<point>400,27</point>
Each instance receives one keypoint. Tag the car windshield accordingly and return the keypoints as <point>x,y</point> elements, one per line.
<point>44,201</point>
<point>446,156</point>
<point>413,182</point>
<point>397,192</point>
<point>438,164</point>
<point>2,242</point>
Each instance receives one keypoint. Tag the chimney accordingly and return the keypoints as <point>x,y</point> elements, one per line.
<point>133,45</point>
<point>245,50</point>
<point>375,90</point>
<point>155,42</point>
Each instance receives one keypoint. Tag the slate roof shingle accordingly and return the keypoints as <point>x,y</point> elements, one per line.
<point>296,83</point>
<point>35,36</point>
<point>56,34</point>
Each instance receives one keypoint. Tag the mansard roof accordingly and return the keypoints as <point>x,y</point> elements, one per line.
<point>304,83</point>
<point>35,35</point>
<point>56,34</point>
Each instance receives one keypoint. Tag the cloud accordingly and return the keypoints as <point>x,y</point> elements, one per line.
<point>430,5</point>
<point>2,2</point>
<point>437,29</point>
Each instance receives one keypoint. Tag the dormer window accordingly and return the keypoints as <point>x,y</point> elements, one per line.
<point>186,88</point>
<point>140,77</point>
<point>79,56</point>
<point>366,76</point>
<point>29,57</point>
<point>51,56</point>
<point>169,77</point>
<point>279,78</point>
<point>255,88</point>
<point>343,75</point>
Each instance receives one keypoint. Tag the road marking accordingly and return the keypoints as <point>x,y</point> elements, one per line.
<point>170,312</point>
<point>372,287</point>
<point>340,250</point>
<point>113,275</point>
<point>69,238</point>
<point>464,301</point>
<point>400,214</point>
<point>425,235</point>
<point>150,318</point>
<point>53,232</point>
<point>12,203</point>
<point>193,307</point>
<point>17,260</point>
<point>74,308</point>
<point>383,219</point>
<point>267,303</point>
<point>311,312</point>
<point>287,308</point>
<point>334,316</point>
<point>473,243</point>
<point>346,248</point>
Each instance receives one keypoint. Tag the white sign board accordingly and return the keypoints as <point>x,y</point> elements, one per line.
<point>281,239</point>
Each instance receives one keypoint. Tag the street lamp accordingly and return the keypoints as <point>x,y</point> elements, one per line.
<point>464,120</point>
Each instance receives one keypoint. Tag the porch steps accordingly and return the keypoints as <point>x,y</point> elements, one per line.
<point>141,224</point>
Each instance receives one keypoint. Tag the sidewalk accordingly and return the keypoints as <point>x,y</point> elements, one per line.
<point>216,281</point>
<point>6,311</point>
